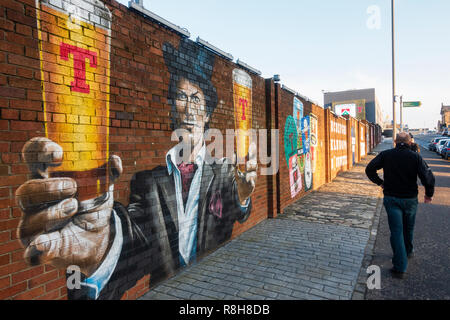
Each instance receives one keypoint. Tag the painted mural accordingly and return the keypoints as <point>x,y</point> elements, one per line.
<point>298,111</point>
<point>125,226</point>
<point>362,143</point>
<point>353,137</point>
<point>314,125</point>
<point>306,138</point>
<point>338,146</point>
<point>175,213</point>
<point>242,93</point>
<point>301,140</point>
<point>290,151</point>
<point>300,153</point>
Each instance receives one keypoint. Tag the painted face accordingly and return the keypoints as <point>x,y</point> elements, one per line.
<point>191,112</point>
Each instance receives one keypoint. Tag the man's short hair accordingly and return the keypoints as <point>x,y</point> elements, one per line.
<point>195,64</point>
<point>403,137</point>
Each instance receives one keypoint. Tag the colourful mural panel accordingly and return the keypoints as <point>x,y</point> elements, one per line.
<point>298,112</point>
<point>290,150</point>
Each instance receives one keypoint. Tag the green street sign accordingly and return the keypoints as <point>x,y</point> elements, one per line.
<point>412,104</point>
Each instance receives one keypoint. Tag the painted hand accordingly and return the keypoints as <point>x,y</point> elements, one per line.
<point>246,181</point>
<point>50,229</point>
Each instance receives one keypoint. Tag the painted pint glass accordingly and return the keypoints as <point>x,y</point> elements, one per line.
<point>242,93</point>
<point>74,47</point>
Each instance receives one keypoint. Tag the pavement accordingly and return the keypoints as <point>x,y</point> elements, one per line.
<point>318,249</point>
<point>428,275</point>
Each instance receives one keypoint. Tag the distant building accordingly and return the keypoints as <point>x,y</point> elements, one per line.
<point>445,113</point>
<point>361,104</point>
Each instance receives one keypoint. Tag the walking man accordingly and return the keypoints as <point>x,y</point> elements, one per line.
<point>401,166</point>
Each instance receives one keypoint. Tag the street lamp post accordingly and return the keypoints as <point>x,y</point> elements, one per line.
<point>394,132</point>
<point>401,113</point>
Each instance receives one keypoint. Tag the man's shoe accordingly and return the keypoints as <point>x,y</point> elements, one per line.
<point>397,274</point>
<point>411,255</point>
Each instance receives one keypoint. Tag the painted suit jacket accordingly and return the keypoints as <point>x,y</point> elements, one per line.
<point>150,225</point>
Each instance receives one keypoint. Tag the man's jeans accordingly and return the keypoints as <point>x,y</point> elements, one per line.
<point>401,217</point>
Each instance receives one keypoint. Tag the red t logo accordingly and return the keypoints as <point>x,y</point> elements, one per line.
<point>79,65</point>
<point>243,103</point>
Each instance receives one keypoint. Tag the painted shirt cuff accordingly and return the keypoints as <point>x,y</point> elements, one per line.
<point>101,276</point>
<point>244,208</point>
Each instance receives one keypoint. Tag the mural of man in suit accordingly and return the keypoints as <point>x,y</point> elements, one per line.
<point>176,212</point>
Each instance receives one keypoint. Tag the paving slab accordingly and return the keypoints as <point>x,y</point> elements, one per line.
<point>316,250</point>
<point>303,241</point>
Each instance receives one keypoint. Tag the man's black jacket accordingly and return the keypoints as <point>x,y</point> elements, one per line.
<point>401,166</point>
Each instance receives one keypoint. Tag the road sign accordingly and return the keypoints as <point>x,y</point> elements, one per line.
<point>412,104</point>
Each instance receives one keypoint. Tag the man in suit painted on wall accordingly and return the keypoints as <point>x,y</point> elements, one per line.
<point>175,213</point>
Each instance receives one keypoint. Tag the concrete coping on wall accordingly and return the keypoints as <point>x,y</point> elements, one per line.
<point>296,94</point>
<point>159,20</point>
<point>288,90</point>
<point>214,49</point>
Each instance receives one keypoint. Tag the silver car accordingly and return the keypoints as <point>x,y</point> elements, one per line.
<point>445,153</point>
<point>440,145</point>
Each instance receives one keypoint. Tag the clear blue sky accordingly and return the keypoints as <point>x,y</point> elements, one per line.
<point>327,45</point>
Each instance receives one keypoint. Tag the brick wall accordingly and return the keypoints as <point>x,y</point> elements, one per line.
<point>317,153</point>
<point>100,85</point>
<point>338,145</point>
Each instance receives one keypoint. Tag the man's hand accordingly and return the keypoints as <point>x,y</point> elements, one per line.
<point>246,181</point>
<point>427,199</point>
<point>50,229</point>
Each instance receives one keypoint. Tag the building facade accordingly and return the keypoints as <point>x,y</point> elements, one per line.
<point>350,102</point>
<point>445,113</point>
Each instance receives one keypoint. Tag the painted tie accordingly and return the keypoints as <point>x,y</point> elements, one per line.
<point>187,174</point>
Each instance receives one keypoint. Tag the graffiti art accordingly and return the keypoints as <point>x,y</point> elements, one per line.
<point>314,140</point>
<point>298,112</point>
<point>295,178</point>
<point>290,138</point>
<point>176,211</point>
<point>290,150</point>
<point>308,172</point>
<point>306,134</point>
<point>353,144</point>
<point>242,93</point>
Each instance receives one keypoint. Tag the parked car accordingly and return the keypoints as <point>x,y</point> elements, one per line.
<point>388,133</point>
<point>444,146</point>
<point>446,151</point>
<point>440,145</point>
<point>432,145</point>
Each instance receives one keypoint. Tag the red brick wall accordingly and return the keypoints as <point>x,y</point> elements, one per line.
<point>338,145</point>
<point>352,141</point>
<point>285,109</point>
<point>138,124</point>
<point>319,174</point>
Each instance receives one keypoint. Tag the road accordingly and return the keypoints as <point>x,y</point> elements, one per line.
<point>428,275</point>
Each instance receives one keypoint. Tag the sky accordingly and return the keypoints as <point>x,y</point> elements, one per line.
<point>329,45</point>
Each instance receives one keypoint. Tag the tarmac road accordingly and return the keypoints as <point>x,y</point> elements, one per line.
<point>428,275</point>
